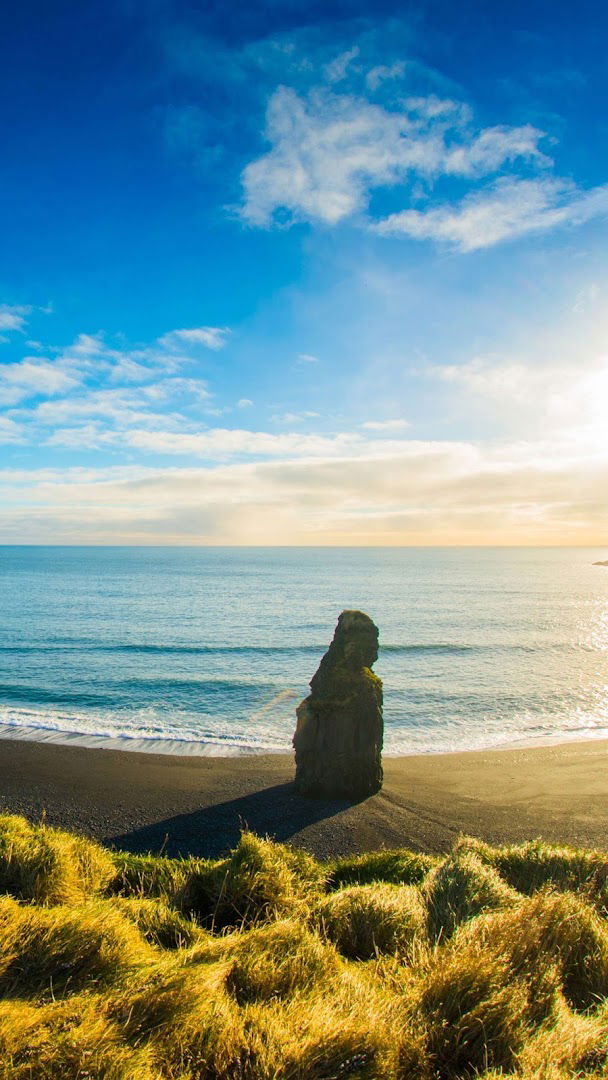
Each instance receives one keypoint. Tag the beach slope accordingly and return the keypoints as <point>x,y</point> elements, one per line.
<point>179,805</point>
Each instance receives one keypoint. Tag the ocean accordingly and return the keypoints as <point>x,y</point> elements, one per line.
<point>209,650</point>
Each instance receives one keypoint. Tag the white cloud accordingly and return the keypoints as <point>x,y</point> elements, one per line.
<point>337,69</point>
<point>244,403</point>
<point>385,425</point>
<point>86,345</point>
<point>169,389</point>
<point>92,355</point>
<point>296,417</point>
<point>32,377</point>
<point>225,443</point>
<point>329,151</point>
<point>307,358</point>
<point>90,436</point>
<point>10,432</point>
<point>212,337</point>
<point>12,317</point>
<point>121,406</point>
<point>508,209</point>
<point>381,72</point>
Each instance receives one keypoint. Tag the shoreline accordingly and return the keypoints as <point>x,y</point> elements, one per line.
<point>197,805</point>
<point>192,748</point>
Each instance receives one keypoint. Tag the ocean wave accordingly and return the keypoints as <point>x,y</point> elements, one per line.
<point>437,648</point>
<point>218,650</point>
<point>145,734</point>
<point>131,731</point>
<point>117,691</point>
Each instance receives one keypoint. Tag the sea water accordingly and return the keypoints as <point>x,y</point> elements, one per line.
<point>209,650</point>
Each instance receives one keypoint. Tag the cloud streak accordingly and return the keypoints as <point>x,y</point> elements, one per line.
<point>13,317</point>
<point>509,209</point>
<point>211,337</point>
<point>418,493</point>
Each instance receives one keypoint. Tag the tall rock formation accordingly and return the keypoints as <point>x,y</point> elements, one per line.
<point>338,738</point>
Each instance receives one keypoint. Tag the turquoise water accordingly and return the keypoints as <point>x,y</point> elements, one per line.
<point>210,649</point>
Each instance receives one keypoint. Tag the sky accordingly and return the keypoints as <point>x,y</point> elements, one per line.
<point>304,273</point>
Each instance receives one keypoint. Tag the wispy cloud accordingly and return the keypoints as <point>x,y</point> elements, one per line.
<point>307,358</point>
<point>385,425</point>
<point>122,406</point>
<point>381,72</point>
<point>13,317</point>
<point>551,399</point>
<point>226,443</point>
<point>33,377</point>
<point>212,337</point>
<point>510,208</point>
<point>10,432</point>
<point>296,417</point>
<point>337,68</point>
<point>330,152</point>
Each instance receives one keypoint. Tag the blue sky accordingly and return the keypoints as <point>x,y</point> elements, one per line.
<point>304,273</point>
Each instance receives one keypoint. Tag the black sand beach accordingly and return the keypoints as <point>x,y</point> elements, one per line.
<point>147,802</point>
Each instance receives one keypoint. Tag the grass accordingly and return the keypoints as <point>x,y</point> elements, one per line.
<point>267,965</point>
<point>459,888</point>
<point>364,921</point>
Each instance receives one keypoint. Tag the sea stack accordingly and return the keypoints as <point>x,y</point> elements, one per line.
<point>338,738</point>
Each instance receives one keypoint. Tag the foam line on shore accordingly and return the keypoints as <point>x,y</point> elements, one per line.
<point>170,747</point>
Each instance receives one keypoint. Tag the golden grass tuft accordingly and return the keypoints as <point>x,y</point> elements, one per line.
<point>573,1044</point>
<point>51,951</point>
<point>475,1017</point>
<point>534,865</point>
<point>459,888</point>
<point>364,921</point>
<point>68,1039</point>
<point>559,930</point>
<point>151,876</point>
<point>278,960</point>
<point>399,867</point>
<point>259,881</point>
<point>49,866</point>
<point>158,923</point>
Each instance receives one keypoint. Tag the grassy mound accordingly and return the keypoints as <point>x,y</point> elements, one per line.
<point>474,1015</point>
<point>280,960</point>
<point>398,867</point>
<point>49,866</point>
<point>158,923</point>
<point>150,876</point>
<point>267,965</point>
<point>459,888</point>
<point>559,930</point>
<point>259,881</point>
<point>68,1039</point>
<point>534,865</point>
<point>366,920</point>
<point>46,951</point>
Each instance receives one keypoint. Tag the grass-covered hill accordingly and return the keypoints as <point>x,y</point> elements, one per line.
<point>270,965</point>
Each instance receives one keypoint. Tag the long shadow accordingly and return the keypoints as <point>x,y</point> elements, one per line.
<point>276,811</point>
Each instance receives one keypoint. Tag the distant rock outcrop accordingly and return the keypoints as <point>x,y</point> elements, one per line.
<point>603,563</point>
<point>338,738</point>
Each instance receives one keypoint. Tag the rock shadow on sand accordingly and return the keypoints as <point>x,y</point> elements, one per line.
<point>278,812</point>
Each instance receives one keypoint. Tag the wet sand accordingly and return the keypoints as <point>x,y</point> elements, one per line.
<point>153,802</point>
